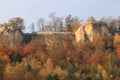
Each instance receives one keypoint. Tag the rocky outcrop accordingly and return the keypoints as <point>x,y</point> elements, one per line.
<point>12,33</point>
<point>12,37</point>
<point>90,29</point>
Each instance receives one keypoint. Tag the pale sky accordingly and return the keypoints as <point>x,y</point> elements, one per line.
<point>32,10</point>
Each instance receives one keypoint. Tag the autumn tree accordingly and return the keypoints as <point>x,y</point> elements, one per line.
<point>46,70</point>
<point>99,44</point>
<point>33,47</point>
<point>55,49</point>
<point>72,23</point>
<point>75,25</point>
<point>15,72</point>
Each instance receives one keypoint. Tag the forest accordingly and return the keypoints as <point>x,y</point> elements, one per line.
<point>58,58</point>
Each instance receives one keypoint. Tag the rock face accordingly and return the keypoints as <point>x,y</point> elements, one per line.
<point>11,32</point>
<point>90,29</point>
<point>13,37</point>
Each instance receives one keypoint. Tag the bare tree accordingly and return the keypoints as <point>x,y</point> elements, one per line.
<point>41,24</point>
<point>32,26</point>
<point>111,22</point>
<point>61,23</point>
<point>57,22</point>
<point>118,22</point>
<point>53,18</point>
<point>49,26</point>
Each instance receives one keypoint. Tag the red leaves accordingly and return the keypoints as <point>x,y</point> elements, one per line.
<point>98,58</point>
<point>33,47</point>
<point>28,50</point>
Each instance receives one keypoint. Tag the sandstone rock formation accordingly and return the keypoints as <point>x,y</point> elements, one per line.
<point>12,33</point>
<point>90,29</point>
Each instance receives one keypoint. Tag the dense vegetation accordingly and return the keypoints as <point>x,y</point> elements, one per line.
<point>61,59</point>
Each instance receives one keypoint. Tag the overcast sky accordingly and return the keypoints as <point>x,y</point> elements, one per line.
<point>31,10</point>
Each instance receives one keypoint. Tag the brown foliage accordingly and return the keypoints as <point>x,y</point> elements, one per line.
<point>116,41</point>
<point>14,49</point>
<point>47,69</point>
<point>41,56</point>
<point>98,58</point>
<point>118,53</point>
<point>99,44</point>
<point>75,25</point>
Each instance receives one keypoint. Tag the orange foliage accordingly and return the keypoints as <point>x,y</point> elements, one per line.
<point>28,50</point>
<point>6,58</point>
<point>97,39</point>
<point>15,49</point>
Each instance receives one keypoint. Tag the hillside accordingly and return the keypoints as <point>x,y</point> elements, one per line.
<point>52,55</point>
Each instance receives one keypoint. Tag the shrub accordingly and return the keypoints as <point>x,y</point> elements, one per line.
<point>15,72</point>
<point>61,73</point>
<point>47,69</point>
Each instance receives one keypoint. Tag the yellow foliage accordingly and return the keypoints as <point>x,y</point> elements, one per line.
<point>29,76</point>
<point>104,74</point>
<point>40,56</point>
<point>61,73</point>
<point>102,71</point>
<point>6,58</point>
<point>49,65</point>
<point>77,75</point>
<point>47,69</point>
<point>99,68</point>
<point>15,72</point>
<point>35,64</point>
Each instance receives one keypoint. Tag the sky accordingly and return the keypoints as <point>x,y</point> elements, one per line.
<point>32,10</point>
